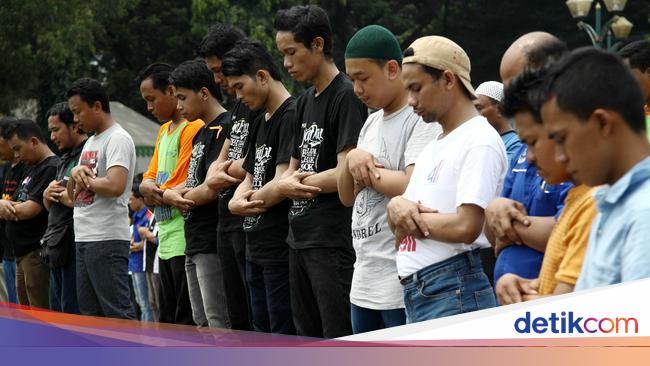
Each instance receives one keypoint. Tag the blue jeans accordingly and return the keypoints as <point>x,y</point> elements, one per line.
<point>454,286</point>
<point>270,299</point>
<point>102,279</point>
<point>142,295</point>
<point>10,280</point>
<point>63,286</point>
<point>367,320</point>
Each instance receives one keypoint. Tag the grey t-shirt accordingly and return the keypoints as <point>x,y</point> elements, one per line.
<point>96,217</point>
<point>395,140</point>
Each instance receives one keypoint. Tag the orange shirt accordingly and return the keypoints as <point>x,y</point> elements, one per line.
<point>179,174</point>
<point>568,240</point>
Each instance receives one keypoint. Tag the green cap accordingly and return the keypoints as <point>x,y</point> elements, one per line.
<point>375,42</point>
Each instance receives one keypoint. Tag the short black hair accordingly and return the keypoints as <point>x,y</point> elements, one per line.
<point>158,73</point>
<point>90,91</point>
<point>547,51</point>
<point>246,58</point>
<point>5,123</point>
<point>523,94</point>
<point>306,22</point>
<point>220,39</point>
<point>588,78</point>
<point>194,74</point>
<point>24,129</point>
<point>61,110</point>
<point>638,54</point>
<point>435,73</point>
<point>135,189</point>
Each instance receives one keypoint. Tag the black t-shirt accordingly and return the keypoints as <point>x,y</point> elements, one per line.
<point>60,216</point>
<point>201,221</point>
<point>25,235</point>
<point>266,233</point>
<point>240,134</point>
<point>12,176</point>
<point>325,125</point>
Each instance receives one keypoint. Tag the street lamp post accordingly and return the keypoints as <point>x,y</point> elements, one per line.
<point>601,35</point>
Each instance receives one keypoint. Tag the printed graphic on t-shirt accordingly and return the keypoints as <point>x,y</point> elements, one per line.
<point>262,158</point>
<point>309,152</point>
<point>192,173</point>
<point>23,195</point>
<point>163,213</point>
<point>238,136</point>
<point>408,244</point>
<point>365,204</point>
<point>10,189</point>
<point>86,197</point>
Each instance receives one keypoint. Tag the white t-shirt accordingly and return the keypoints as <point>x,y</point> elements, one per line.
<point>465,167</point>
<point>96,217</point>
<point>395,140</point>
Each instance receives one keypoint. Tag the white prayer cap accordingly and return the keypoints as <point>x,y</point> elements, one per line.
<point>492,89</point>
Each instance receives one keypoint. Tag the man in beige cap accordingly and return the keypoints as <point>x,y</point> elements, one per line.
<point>438,221</point>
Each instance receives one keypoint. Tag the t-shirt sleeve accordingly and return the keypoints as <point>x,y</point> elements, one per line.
<point>297,127</point>
<point>635,261</point>
<point>577,239</point>
<point>152,170</point>
<point>179,174</point>
<point>566,187</point>
<point>422,134</point>
<point>120,151</point>
<point>348,117</point>
<point>285,136</point>
<point>41,181</point>
<point>481,172</point>
<point>249,158</point>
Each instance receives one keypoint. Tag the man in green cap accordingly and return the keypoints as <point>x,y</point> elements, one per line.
<point>376,170</point>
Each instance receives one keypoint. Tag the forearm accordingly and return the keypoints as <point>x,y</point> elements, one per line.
<point>27,210</point>
<point>563,288</point>
<point>201,194</point>
<point>236,169</point>
<point>451,228</point>
<point>326,181</point>
<point>104,187</point>
<point>345,185</point>
<point>537,233</point>
<point>391,182</point>
<point>269,193</point>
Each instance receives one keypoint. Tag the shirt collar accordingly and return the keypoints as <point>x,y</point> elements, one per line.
<point>611,195</point>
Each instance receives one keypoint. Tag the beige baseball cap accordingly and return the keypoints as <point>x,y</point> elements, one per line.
<point>443,54</point>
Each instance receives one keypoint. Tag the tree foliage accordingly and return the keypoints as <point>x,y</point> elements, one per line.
<point>47,44</point>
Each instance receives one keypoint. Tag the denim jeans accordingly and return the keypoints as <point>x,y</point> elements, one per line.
<point>320,291</point>
<point>206,289</point>
<point>231,248</point>
<point>142,295</point>
<point>270,299</point>
<point>102,279</point>
<point>63,286</point>
<point>367,320</point>
<point>10,280</point>
<point>453,286</point>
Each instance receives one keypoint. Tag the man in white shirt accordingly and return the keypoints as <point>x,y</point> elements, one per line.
<point>438,221</point>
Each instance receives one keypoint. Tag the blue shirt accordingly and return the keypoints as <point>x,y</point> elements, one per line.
<point>619,243</point>
<point>513,145</point>
<point>524,185</point>
<point>140,219</point>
